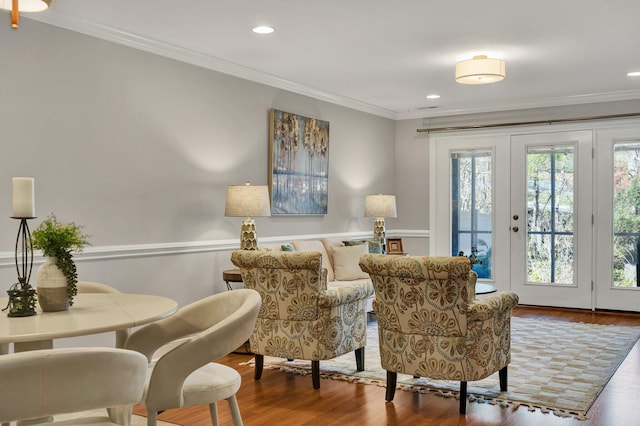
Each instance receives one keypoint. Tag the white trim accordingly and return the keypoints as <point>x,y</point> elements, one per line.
<point>104,32</point>
<point>7,259</point>
<point>108,33</point>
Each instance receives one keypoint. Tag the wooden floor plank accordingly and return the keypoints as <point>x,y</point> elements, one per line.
<point>287,399</point>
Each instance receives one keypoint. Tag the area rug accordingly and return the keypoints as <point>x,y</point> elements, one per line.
<point>556,366</point>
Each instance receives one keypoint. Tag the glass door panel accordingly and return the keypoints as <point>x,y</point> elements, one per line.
<point>551,233</point>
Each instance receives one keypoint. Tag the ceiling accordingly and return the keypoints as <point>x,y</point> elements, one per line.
<point>383,56</point>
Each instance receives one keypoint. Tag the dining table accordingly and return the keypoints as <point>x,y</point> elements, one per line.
<point>91,313</point>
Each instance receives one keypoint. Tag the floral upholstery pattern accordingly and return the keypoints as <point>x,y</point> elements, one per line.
<point>429,326</point>
<point>299,317</point>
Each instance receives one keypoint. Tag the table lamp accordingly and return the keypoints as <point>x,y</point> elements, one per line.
<point>380,206</point>
<point>248,201</point>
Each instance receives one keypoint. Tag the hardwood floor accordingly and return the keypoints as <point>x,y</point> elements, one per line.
<point>286,399</point>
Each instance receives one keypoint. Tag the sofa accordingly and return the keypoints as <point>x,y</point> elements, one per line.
<point>340,258</point>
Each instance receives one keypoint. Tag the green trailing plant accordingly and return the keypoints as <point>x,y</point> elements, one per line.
<point>59,240</point>
<point>472,257</point>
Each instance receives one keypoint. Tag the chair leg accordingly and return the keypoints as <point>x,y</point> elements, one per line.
<point>152,418</point>
<point>503,378</point>
<point>463,397</point>
<point>213,412</point>
<point>235,410</point>
<point>315,374</point>
<point>360,359</point>
<point>392,379</point>
<point>259,360</point>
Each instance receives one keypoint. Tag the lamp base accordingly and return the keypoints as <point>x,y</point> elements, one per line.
<point>379,232</point>
<point>248,236</point>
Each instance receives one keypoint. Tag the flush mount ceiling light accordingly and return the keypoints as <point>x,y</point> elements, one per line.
<point>633,74</point>
<point>480,70</point>
<point>16,6</point>
<point>263,29</point>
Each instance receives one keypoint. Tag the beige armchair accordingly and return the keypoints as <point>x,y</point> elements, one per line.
<point>185,375</point>
<point>49,382</point>
<point>430,326</point>
<point>95,287</point>
<point>299,317</point>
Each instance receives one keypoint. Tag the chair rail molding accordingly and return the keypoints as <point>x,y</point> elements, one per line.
<point>130,251</point>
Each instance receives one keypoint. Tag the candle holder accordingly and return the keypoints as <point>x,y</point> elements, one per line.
<point>22,297</point>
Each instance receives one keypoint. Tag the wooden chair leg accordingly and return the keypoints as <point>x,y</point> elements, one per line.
<point>259,360</point>
<point>392,379</point>
<point>360,359</point>
<point>503,378</point>
<point>315,374</point>
<point>463,397</point>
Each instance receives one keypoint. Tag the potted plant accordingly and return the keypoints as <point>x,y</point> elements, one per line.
<point>57,279</point>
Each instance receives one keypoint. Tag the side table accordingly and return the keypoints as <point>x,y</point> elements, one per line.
<point>231,276</point>
<point>235,276</point>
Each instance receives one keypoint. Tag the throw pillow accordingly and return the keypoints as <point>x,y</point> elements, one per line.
<point>346,260</point>
<point>316,245</point>
<point>287,247</point>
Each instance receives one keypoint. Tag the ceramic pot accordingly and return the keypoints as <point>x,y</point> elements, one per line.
<point>51,285</point>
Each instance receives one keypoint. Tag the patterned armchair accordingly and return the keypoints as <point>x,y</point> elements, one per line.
<point>299,317</point>
<point>430,326</point>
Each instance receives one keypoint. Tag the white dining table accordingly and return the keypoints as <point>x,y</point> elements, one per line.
<point>91,313</point>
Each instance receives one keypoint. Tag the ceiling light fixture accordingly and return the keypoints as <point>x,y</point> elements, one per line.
<point>480,70</point>
<point>263,29</point>
<point>433,96</point>
<point>633,74</point>
<point>16,6</point>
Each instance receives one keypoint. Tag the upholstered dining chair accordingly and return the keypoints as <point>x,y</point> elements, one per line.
<point>429,325</point>
<point>95,287</point>
<point>50,382</point>
<point>185,375</point>
<point>300,318</point>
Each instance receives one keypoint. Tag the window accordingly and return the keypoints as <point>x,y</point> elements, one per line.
<point>626,214</point>
<point>550,214</point>
<point>472,207</point>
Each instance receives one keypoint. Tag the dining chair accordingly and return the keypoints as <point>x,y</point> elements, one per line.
<point>95,287</point>
<point>185,375</point>
<point>48,382</point>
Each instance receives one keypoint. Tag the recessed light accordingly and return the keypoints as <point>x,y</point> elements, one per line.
<point>433,96</point>
<point>263,30</point>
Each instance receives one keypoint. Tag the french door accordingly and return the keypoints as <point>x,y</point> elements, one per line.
<point>617,218</point>
<point>551,217</point>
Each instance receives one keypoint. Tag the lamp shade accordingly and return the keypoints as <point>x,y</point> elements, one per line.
<point>480,70</point>
<point>380,206</point>
<point>27,5</point>
<point>247,201</point>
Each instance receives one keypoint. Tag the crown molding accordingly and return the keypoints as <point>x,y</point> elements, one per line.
<point>534,103</point>
<point>108,33</point>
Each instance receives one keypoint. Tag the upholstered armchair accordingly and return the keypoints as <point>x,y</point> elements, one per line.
<point>299,317</point>
<point>430,326</point>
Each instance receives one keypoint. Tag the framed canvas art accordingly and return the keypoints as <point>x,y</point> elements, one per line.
<point>299,164</point>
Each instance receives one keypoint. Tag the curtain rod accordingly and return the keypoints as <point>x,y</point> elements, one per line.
<point>529,123</point>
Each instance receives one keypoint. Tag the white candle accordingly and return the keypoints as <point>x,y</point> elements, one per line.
<point>23,197</point>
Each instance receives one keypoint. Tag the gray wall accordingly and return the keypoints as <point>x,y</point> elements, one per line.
<point>139,149</point>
